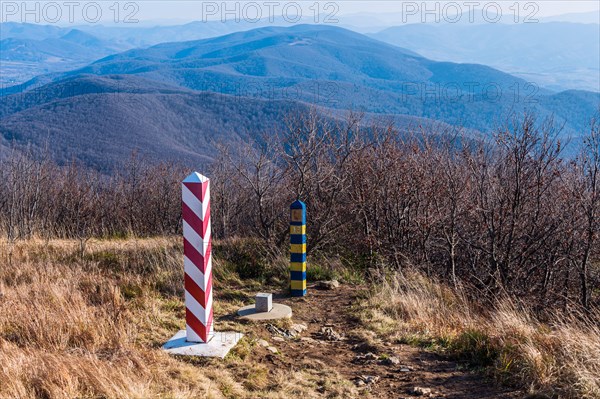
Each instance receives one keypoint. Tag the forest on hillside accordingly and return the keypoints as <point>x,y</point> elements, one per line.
<point>506,216</point>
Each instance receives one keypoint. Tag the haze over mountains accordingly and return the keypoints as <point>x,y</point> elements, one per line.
<point>28,50</point>
<point>557,53</point>
<point>177,100</point>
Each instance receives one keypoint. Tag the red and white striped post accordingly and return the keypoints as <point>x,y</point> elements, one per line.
<point>197,258</point>
<point>199,337</point>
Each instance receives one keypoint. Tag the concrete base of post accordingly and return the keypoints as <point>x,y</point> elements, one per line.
<point>219,346</point>
<point>278,311</point>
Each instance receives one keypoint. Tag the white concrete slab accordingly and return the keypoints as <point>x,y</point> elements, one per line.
<point>278,311</point>
<point>219,346</point>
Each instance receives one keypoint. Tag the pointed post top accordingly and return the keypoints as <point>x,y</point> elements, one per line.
<point>298,205</point>
<point>195,177</point>
<point>298,213</point>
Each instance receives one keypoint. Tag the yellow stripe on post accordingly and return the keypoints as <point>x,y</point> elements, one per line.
<point>297,248</point>
<point>298,229</point>
<point>298,284</point>
<point>298,266</point>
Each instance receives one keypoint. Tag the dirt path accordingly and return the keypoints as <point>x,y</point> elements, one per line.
<point>416,367</point>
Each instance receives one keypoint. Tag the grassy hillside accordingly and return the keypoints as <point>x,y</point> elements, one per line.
<point>91,324</point>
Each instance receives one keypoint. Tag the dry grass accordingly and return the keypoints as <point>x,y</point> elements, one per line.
<point>91,326</point>
<point>561,358</point>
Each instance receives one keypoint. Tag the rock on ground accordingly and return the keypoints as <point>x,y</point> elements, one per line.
<point>328,285</point>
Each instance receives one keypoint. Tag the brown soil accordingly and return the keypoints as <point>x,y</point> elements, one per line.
<point>446,378</point>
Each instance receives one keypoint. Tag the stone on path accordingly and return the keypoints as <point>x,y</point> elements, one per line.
<point>392,360</point>
<point>367,357</point>
<point>328,285</point>
<point>363,380</point>
<point>420,391</point>
<point>263,343</point>
<point>278,311</point>
<point>298,328</point>
<point>329,334</point>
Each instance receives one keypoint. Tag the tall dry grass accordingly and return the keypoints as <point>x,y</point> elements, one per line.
<point>91,325</point>
<point>68,329</point>
<point>560,357</point>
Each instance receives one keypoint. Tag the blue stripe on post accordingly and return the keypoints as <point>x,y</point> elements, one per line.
<point>297,275</point>
<point>298,292</point>
<point>298,239</point>
<point>298,257</point>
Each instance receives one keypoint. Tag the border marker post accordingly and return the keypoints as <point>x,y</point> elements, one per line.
<point>199,337</point>
<point>197,259</point>
<point>298,248</point>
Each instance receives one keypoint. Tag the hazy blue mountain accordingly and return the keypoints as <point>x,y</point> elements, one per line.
<point>592,17</point>
<point>28,50</point>
<point>134,36</point>
<point>22,56</point>
<point>30,31</point>
<point>555,55</point>
<point>243,83</point>
<point>337,68</point>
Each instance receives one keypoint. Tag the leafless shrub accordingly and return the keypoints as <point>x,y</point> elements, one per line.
<point>510,215</point>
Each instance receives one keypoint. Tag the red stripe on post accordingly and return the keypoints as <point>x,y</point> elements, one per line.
<point>196,291</point>
<point>198,189</point>
<point>194,256</point>
<point>196,325</point>
<point>208,251</point>
<point>193,220</point>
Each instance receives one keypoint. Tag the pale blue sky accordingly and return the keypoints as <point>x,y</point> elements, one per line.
<point>174,12</point>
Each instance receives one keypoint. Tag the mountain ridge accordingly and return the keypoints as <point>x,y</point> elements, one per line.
<point>268,69</point>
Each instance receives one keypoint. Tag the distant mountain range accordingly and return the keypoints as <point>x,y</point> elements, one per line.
<point>28,50</point>
<point>555,55</point>
<point>176,100</point>
<point>558,53</point>
<point>377,21</point>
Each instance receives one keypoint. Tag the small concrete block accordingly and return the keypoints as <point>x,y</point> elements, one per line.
<point>264,302</point>
<point>219,346</point>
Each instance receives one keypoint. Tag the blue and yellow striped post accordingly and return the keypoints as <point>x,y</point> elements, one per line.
<point>298,248</point>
